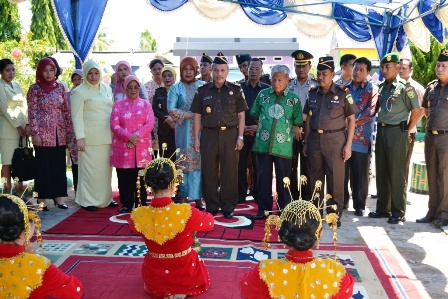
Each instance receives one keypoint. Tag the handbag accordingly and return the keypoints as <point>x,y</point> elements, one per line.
<point>23,162</point>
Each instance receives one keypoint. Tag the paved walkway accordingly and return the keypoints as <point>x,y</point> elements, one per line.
<point>419,247</point>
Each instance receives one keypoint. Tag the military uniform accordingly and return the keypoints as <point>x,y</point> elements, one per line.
<point>326,139</point>
<point>302,91</point>
<point>436,148</point>
<point>396,100</point>
<point>219,108</point>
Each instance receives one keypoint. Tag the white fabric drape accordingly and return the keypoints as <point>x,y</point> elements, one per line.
<point>312,26</point>
<point>213,9</point>
<point>417,32</point>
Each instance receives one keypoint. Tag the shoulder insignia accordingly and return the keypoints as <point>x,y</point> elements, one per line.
<point>410,92</point>
<point>349,98</point>
<point>312,88</point>
<point>433,83</point>
<point>408,88</point>
<point>344,88</point>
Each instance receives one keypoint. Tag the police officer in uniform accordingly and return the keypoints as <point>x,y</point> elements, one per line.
<point>300,85</point>
<point>396,100</point>
<point>205,68</point>
<point>327,143</point>
<point>219,109</point>
<point>435,107</point>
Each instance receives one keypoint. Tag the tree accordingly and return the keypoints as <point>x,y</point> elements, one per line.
<point>43,24</point>
<point>147,41</point>
<point>102,42</point>
<point>9,22</point>
<point>423,64</point>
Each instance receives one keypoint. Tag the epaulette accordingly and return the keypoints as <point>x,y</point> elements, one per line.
<point>203,84</point>
<point>236,83</point>
<point>344,88</point>
<point>313,88</point>
<point>402,81</point>
<point>432,83</point>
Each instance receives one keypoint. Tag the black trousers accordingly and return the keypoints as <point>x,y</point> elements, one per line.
<point>127,185</point>
<point>245,154</point>
<point>264,180</point>
<point>51,179</point>
<point>297,148</point>
<point>169,139</point>
<point>357,170</point>
<point>219,167</point>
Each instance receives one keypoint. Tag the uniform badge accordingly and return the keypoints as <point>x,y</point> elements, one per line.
<point>310,113</point>
<point>231,92</point>
<point>410,93</point>
<point>160,106</point>
<point>388,58</point>
<point>335,98</point>
<point>208,110</point>
<point>349,99</point>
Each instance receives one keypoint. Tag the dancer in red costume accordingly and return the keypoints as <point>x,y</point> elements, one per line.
<point>23,273</point>
<point>171,269</point>
<point>299,274</point>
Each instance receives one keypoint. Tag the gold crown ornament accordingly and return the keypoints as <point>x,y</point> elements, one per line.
<point>298,211</point>
<point>29,212</point>
<point>159,162</point>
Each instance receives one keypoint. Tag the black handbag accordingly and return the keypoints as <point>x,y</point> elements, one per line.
<point>23,162</point>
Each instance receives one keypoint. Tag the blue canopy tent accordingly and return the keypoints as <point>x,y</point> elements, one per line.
<point>388,22</point>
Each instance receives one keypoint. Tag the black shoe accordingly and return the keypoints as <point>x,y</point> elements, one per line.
<point>396,220</point>
<point>90,208</point>
<point>379,215</point>
<point>426,219</point>
<point>113,204</point>
<point>260,215</point>
<point>212,212</point>
<point>60,206</point>
<point>45,209</point>
<point>124,210</point>
<point>440,222</point>
<point>228,215</point>
<point>359,212</point>
<point>374,195</point>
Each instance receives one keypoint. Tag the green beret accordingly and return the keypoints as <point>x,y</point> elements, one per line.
<point>443,56</point>
<point>391,57</point>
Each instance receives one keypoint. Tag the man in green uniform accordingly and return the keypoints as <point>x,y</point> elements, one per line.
<point>279,115</point>
<point>328,144</point>
<point>218,109</point>
<point>435,107</point>
<point>396,100</point>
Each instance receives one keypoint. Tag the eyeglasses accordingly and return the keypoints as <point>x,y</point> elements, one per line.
<point>133,88</point>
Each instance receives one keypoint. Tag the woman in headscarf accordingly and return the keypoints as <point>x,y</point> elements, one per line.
<point>299,274</point>
<point>13,120</point>
<point>156,66</point>
<point>76,79</point>
<point>180,98</point>
<point>171,269</point>
<point>132,121</point>
<point>26,274</point>
<point>50,128</point>
<point>167,125</point>
<point>91,106</point>
<point>122,70</point>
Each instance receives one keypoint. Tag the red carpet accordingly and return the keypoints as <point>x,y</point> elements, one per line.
<point>107,222</point>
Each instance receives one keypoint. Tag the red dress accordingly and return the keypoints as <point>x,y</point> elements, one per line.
<point>48,279</point>
<point>171,267</point>
<point>254,287</point>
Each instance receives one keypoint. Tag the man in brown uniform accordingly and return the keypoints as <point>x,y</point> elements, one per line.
<point>219,108</point>
<point>205,68</point>
<point>435,107</point>
<point>327,142</point>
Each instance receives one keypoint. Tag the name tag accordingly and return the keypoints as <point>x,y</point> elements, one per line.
<point>207,98</point>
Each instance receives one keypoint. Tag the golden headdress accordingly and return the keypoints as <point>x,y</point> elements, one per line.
<point>158,163</point>
<point>298,211</point>
<point>29,213</point>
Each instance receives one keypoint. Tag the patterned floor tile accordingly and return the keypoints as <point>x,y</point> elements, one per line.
<point>252,254</point>
<point>93,248</point>
<point>132,250</point>
<point>223,253</point>
<point>55,248</point>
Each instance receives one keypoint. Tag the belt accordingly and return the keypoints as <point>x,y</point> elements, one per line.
<point>437,132</point>
<point>388,126</point>
<point>321,131</point>
<point>223,128</point>
<point>170,255</point>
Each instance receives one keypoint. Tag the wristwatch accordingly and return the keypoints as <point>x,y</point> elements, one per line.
<point>241,137</point>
